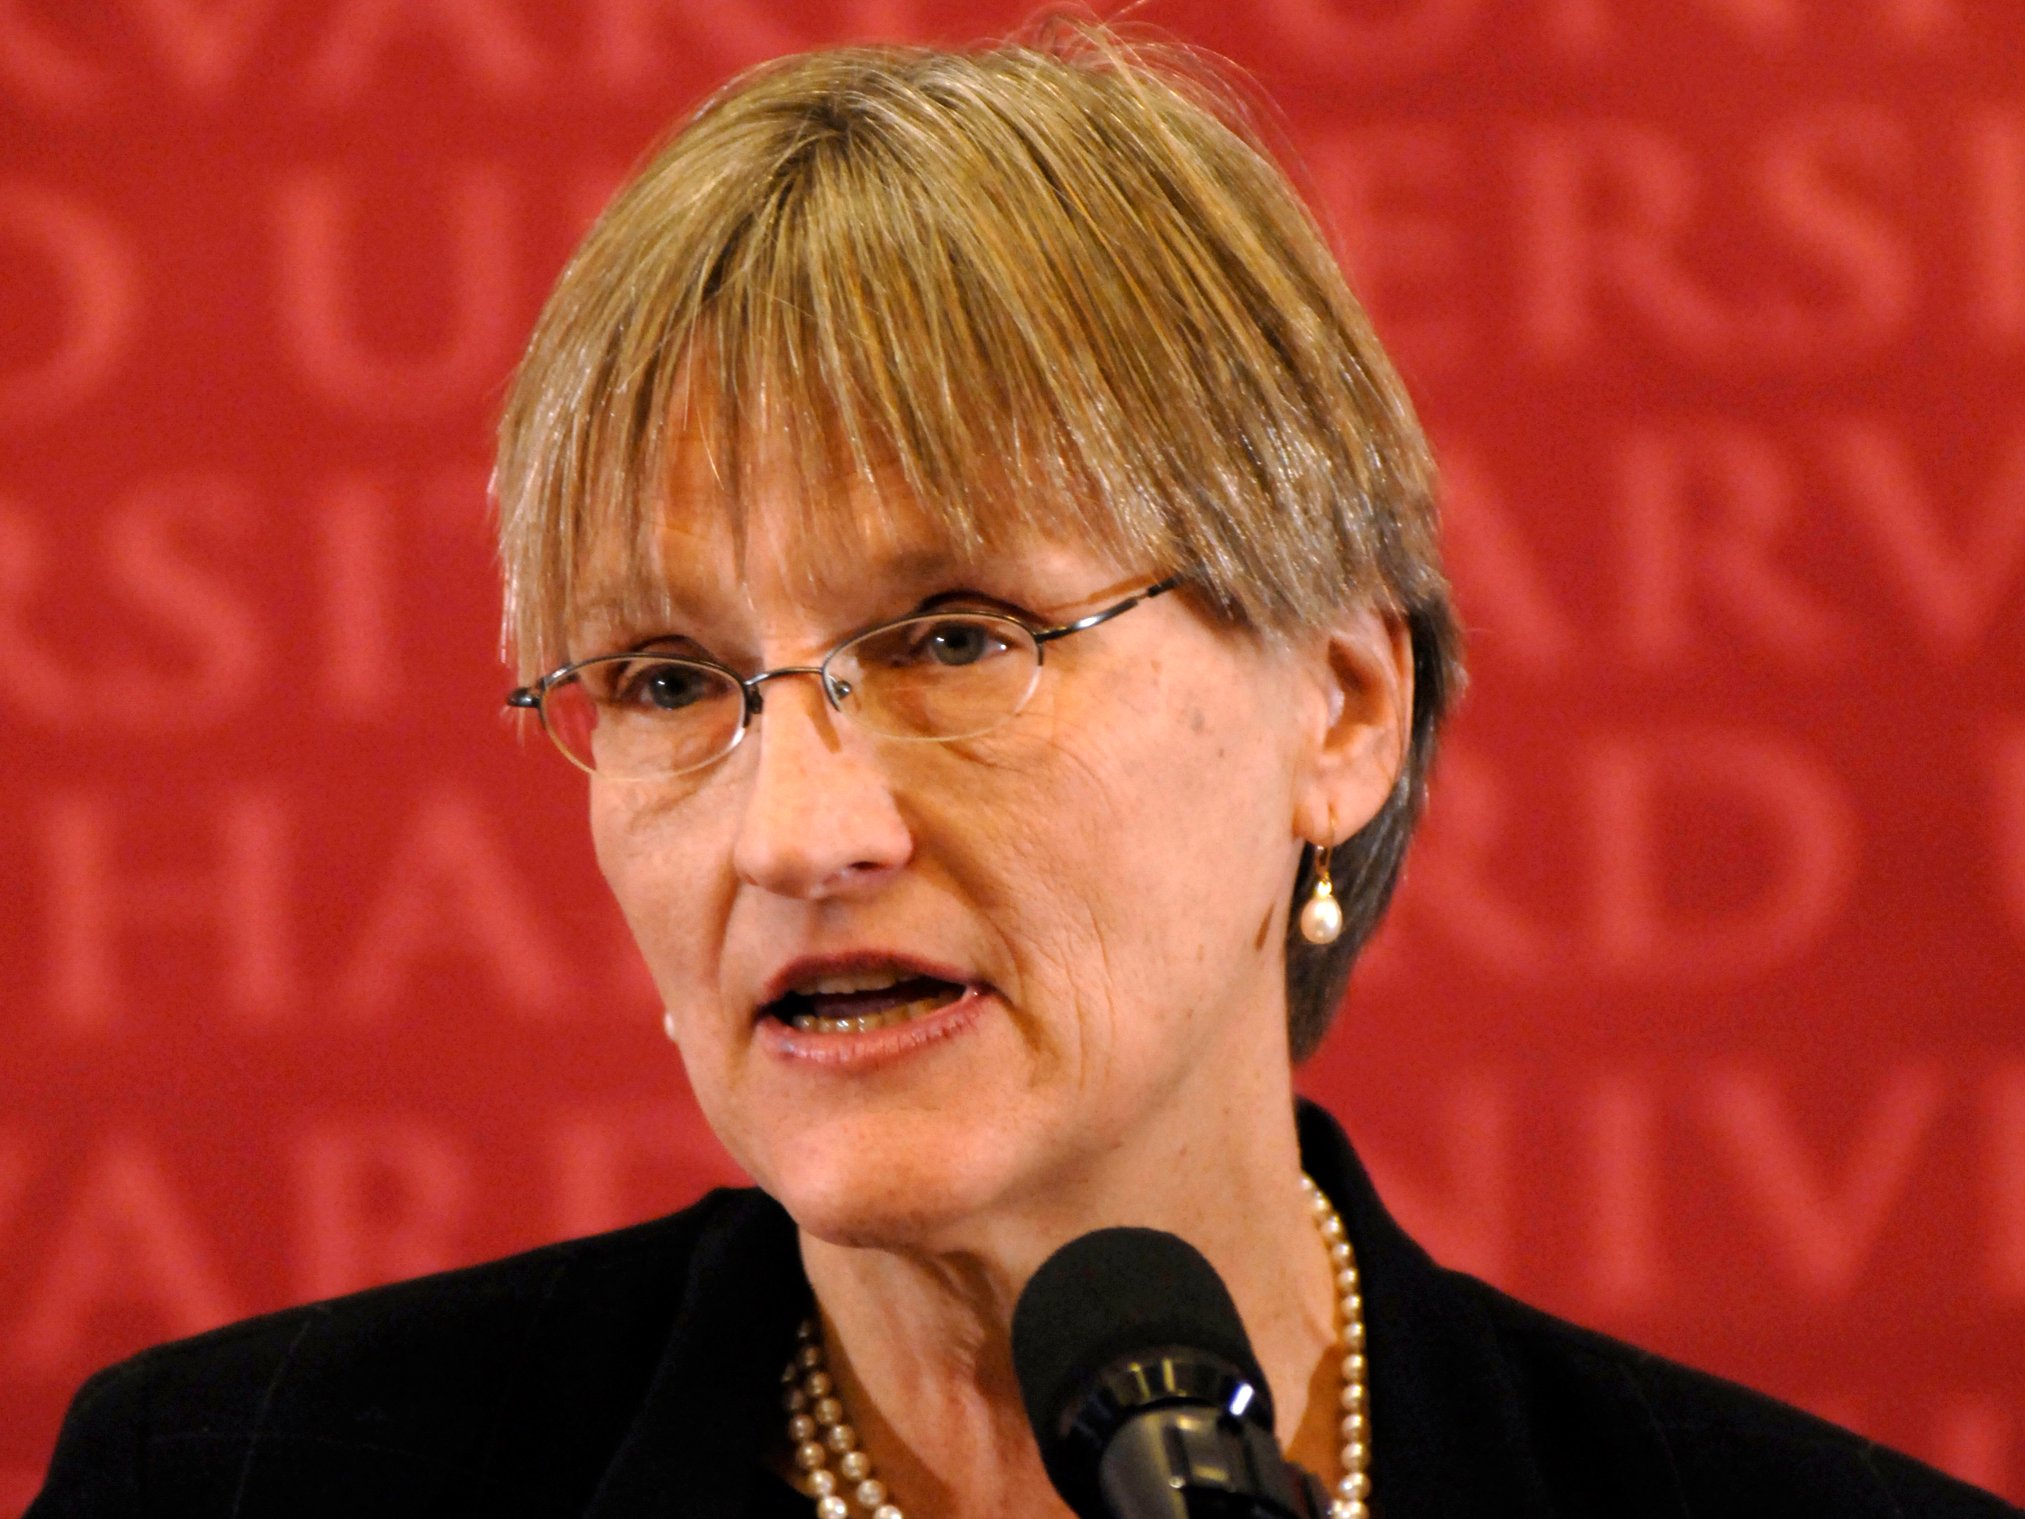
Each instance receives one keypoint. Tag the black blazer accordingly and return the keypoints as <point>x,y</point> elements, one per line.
<point>637,1374</point>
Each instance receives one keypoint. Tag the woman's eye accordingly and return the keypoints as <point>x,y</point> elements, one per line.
<point>957,642</point>
<point>661,687</point>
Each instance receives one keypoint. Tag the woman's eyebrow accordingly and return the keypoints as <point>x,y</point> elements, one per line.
<point>968,594</point>
<point>654,615</point>
<point>643,645</point>
<point>623,627</point>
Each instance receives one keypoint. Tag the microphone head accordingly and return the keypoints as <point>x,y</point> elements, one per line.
<point>1109,1297</point>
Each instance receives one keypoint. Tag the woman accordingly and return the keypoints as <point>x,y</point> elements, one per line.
<point>957,513</point>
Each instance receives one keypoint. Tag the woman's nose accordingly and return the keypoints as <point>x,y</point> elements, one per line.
<point>820,817</point>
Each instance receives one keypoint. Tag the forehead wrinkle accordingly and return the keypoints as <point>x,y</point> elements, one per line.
<point>826,567</point>
<point>822,543</point>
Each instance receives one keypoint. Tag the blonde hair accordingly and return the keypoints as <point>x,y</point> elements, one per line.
<point>1056,287</point>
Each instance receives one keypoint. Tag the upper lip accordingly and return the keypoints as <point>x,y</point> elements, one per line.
<point>804,968</point>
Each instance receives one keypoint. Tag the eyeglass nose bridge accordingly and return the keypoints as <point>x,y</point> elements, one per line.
<point>834,689</point>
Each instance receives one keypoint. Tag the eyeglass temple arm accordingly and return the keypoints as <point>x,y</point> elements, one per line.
<point>525,696</point>
<point>1046,635</point>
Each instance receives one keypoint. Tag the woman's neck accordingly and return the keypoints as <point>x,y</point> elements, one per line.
<point>918,1338</point>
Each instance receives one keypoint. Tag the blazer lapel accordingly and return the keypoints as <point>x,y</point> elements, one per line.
<point>1448,1435</point>
<point>697,1446</point>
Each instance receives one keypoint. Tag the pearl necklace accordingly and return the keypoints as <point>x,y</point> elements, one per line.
<point>818,1430</point>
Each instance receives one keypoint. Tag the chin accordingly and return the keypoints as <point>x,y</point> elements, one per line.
<point>883,1185</point>
<point>868,1214</point>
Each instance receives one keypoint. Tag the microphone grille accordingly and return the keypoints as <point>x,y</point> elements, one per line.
<point>1114,1293</point>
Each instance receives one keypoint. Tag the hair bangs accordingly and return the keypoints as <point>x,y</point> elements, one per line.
<point>943,277</point>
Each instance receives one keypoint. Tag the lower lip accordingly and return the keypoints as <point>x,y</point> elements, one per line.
<point>874,1047</point>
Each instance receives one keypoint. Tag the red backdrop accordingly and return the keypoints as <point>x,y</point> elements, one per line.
<point>1699,1016</point>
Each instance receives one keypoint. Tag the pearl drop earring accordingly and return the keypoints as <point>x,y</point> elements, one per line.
<point>668,1025</point>
<point>1321,915</point>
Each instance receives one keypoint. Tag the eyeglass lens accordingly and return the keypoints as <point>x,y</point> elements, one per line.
<point>945,676</point>
<point>643,714</point>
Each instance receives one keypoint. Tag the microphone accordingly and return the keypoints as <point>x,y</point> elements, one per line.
<point>1142,1388</point>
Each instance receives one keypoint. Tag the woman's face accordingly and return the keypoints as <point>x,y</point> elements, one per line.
<point>1100,886</point>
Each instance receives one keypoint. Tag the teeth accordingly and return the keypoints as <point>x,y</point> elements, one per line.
<point>855,981</point>
<point>813,1023</point>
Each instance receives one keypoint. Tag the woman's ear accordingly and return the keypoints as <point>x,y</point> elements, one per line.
<point>1363,667</point>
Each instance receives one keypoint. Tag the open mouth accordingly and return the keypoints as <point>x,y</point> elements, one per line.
<point>860,1003</point>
